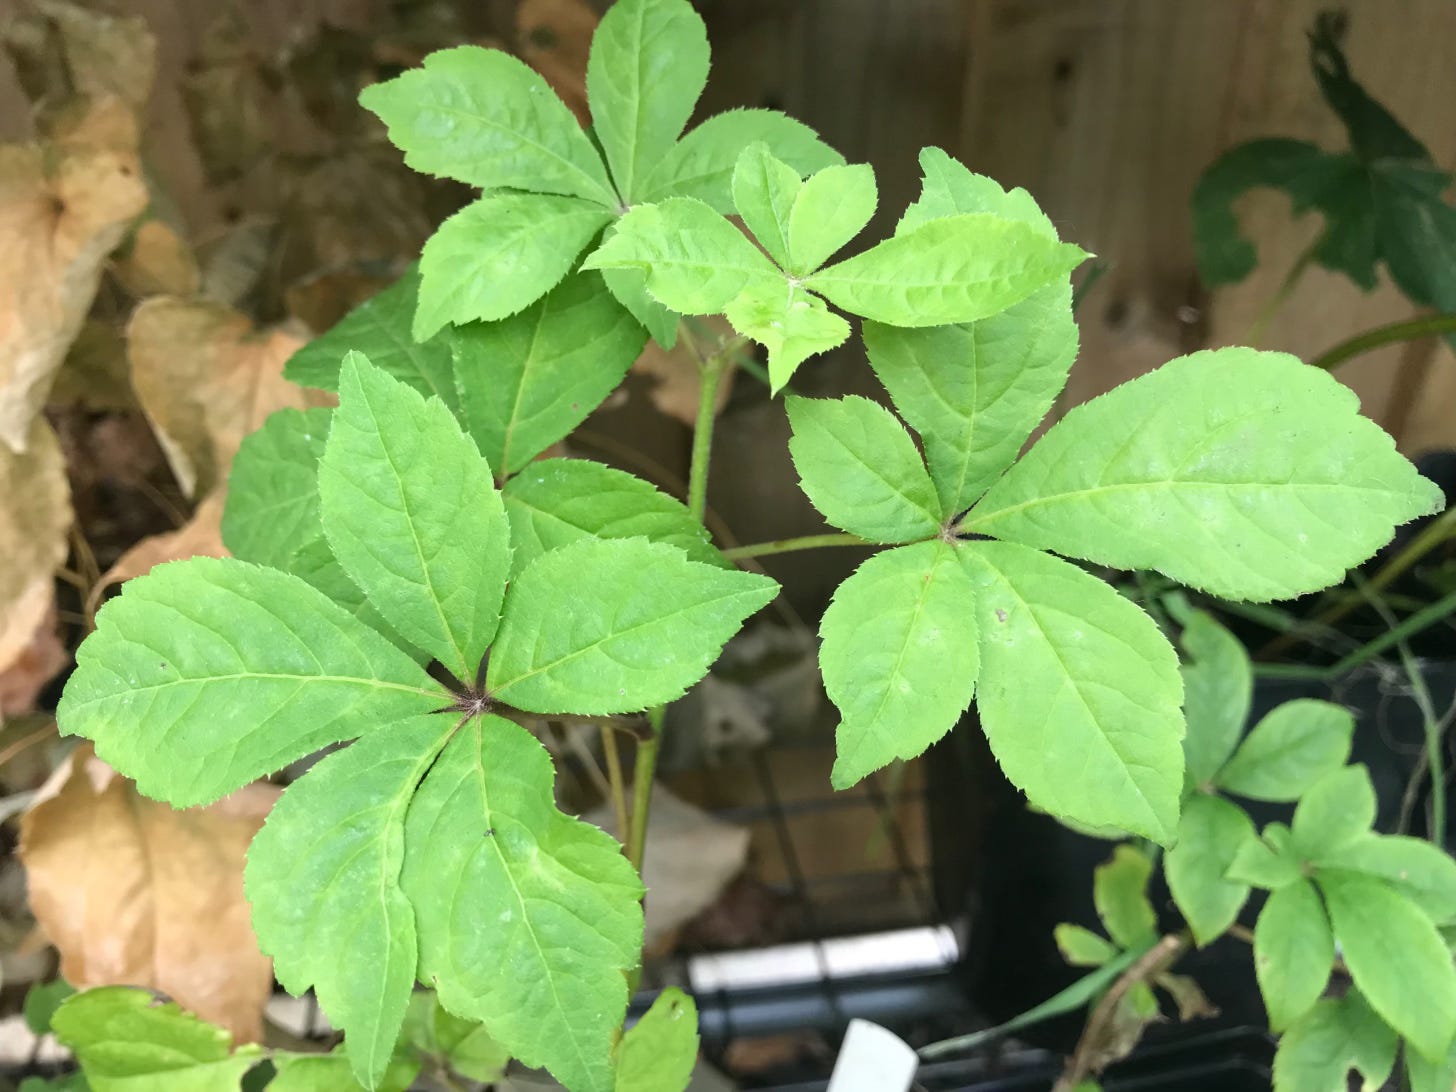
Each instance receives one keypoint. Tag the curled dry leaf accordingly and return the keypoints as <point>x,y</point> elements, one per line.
<point>201,536</point>
<point>677,375</point>
<point>158,263</point>
<point>63,50</point>
<point>554,38</point>
<point>134,893</point>
<point>35,514</point>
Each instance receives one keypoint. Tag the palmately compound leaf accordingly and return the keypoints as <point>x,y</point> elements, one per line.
<point>790,323</point>
<point>272,501</point>
<point>1120,893</point>
<point>694,260</point>
<point>1245,473</point>
<point>1397,959</point>
<point>527,918</point>
<point>484,118</point>
<point>323,879</point>
<point>128,1041</point>
<point>950,188</point>
<point>209,673</point>
<point>1293,952</point>
<point>648,65</point>
<point>1210,833</point>
<point>412,514</point>
<point>1218,689</point>
<point>615,626</point>
<point>1423,873</point>
<point>380,329</point>
<point>764,191</point>
<point>957,269</point>
<point>1260,862</point>
<point>833,207</point>
<point>464,1045</point>
<point>628,287</point>
<point>1334,1037</point>
<point>1081,947</point>
<point>899,656</point>
<point>860,468</point>
<point>658,1052</point>
<point>1290,749</point>
<point>527,381</point>
<point>555,502</point>
<point>1335,811</point>
<point>1078,693</point>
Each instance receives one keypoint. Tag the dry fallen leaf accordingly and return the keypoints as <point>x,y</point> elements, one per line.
<point>95,374</point>
<point>35,514</point>
<point>134,893</point>
<point>63,50</point>
<point>678,374</point>
<point>36,664</point>
<point>201,536</point>
<point>555,39</point>
<point>158,263</point>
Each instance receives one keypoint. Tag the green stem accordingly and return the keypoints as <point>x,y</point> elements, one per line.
<point>1405,330</point>
<point>642,772</point>
<point>714,368</point>
<point>614,780</point>
<point>1286,288</point>
<point>789,545</point>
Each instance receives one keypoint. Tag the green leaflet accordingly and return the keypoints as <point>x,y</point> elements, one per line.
<point>1397,958</point>
<point>1293,952</point>
<point>831,209</point>
<point>1417,230</point>
<point>206,674</point>
<point>413,516</point>
<point>1260,864</point>
<point>614,626</point>
<point>949,188</point>
<point>323,879</point>
<point>764,191</point>
<point>1337,809</point>
<point>380,329</point>
<point>500,255</point>
<point>1081,947</point>
<point>332,1073</point>
<point>559,501</point>
<point>128,1041</point>
<point>629,287</point>
<point>1424,1076</point>
<point>528,380</point>
<point>1416,869</point>
<point>790,323</point>
<point>861,470</point>
<point>1210,834</point>
<point>464,1045</point>
<point>527,919</point>
<point>648,65</point>
<point>1078,692</point>
<point>1218,688</point>
<point>1120,893</point>
<point>272,501</point>
<point>957,269</point>
<point>1290,749</point>
<point>658,1053</point>
<point>1334,1037</point>
<point>1245,473</point>
<point>484,118</point>
<point>899,656</point>
<point>41,1002</point>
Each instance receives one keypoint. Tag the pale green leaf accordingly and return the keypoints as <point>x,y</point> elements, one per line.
<point>648,65</point>
<point>1218,689</point>
<point>499,255</point>
<point>1334,1037</point>
<point>833,207</point>
<point>527,918</point>
<point>41,1002</point>
<point>272,500</point>
<point>1424,1076</point>
<point>323,879</point>
<point>528,380</point>
<point>464,1045</point>
<point>1245,473</point>
<point>899,656</point>
<point>1418,870</point>
<point>332,1072</point>
<point>1259,864</point>
<point>1211,832</point>
<point>790,323</point>
<point>764,191</point>
<point>958,269</point>
<point>1081,947</point>
<point>484,118</point>
<point>206,674</point>
<point>615,626</point>
<point>1335,811</point>
<point>658,1052</point>
<point>861,469</point>
<point>629,288</point>
<point>413,516</point>
<point>1293,952</point>
<point>1397,958</point>
<point>694,260</point>
<point>315,562</point>
<point>127,1040</point>
<point>558,501</point>
<point>1120,893</point>
<point>949,188</point>
<point>702,163</point>
<point>1078,693</point>
<point>1290,749</point>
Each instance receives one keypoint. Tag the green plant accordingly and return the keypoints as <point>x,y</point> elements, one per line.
<point>412,526</point>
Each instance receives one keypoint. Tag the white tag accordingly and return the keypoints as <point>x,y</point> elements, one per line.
<point>873,1060</point>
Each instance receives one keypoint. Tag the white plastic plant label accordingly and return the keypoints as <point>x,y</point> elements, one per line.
<point>873,1060</point>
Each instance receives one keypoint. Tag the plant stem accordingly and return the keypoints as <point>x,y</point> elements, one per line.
<point>789,545</point>
<point>714,368</point>
<point>1405,330</point>
<point>614,779</point>
<point>643,770</point>
<point>1281,295</point>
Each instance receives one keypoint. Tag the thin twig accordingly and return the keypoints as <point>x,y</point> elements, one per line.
<point>26,742</point>
<point>789,545</point>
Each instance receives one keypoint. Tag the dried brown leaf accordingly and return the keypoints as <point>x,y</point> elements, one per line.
<point>201,536</point>
<point>158,263</point>
<point>555,39</point>
<point>678,375</point>
<point>37,663</point>
<point>135,893</point>
<point>63,50</point>
<point>35,514</point>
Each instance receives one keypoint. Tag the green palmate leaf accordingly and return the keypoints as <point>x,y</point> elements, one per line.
<point>1258,863</point>
<point>559,501</point>
<point>1337,809</point>
<point>323,879</point>
<point>500,255</point>
<point>527,381</point>
<point>790,323</point>
<point>1293,952</point>
<point>380,329</point>
<point>764,192</point>
<point>332,1073</point>
<point>658,1053</point>
<point>629,288</point>
<point>413,516</point>
<point>272,502</point>
<point>899,656</point>
<point>1417,230</point>
<point>615,625</point>
<point>1294,746</point>
<point>1416,869</point>
<point>1374,131</point>
<point>128,1041</point>
<point>527,918</point>
<point>484,118</point>
<point>1334,1037</point>
<point>1078,693</point>
<point>832,208</point>
<point>860,468</point>
<point>1081,947</point>
<point>648,65</point>
<point>1211,832</point>
<point>315,562</point>
<point>206,674</point>
<point>949,188</point>
<point>694,260</point>
<point>956,269</point>
<point>464,1045</point>
<point>703,162</point>
<point>1245,473</point>
<point>1397,958</point>
<point>1120,892</point>
<point>1218,688</point>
